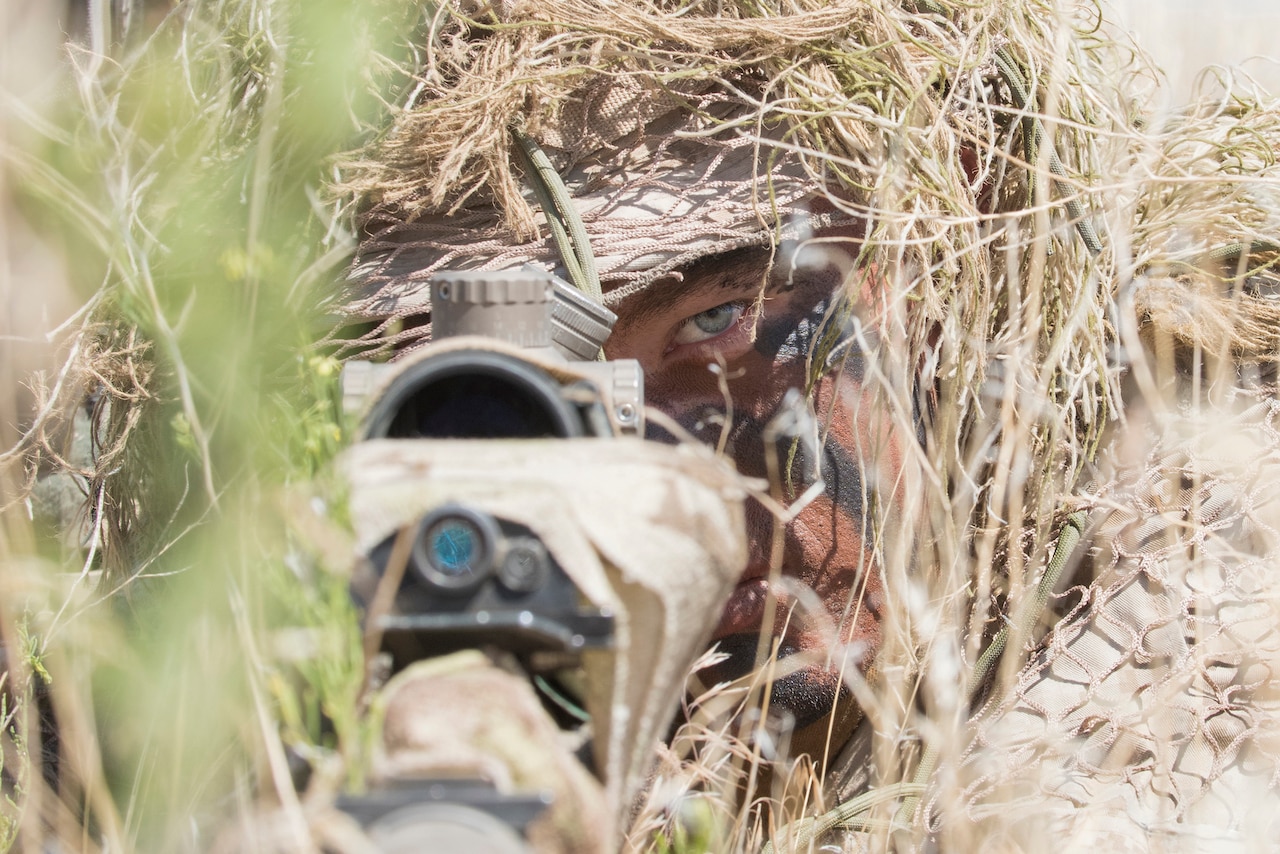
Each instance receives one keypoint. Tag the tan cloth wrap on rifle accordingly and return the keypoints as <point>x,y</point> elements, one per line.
<point>652,532</point>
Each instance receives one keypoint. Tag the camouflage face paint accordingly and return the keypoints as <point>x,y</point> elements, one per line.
<point>721,345</point>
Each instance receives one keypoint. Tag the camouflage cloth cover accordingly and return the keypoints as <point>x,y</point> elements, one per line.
<point>691,186</point>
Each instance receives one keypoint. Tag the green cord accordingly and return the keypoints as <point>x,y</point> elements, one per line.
<point>567,229</point>
<point>1068,539</point>
<point>1034,135</point>
<point>848,815</point>
<point>1233,251</point>
<point>561,699</point>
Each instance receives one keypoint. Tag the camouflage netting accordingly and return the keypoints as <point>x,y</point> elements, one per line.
<point>1149,714</point>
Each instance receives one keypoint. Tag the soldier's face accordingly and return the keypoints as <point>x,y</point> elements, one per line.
<point>721,345</point>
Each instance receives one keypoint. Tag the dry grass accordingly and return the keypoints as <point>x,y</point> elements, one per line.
<point>184,173</point>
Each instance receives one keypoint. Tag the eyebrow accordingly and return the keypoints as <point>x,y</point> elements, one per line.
<point>740,270</point>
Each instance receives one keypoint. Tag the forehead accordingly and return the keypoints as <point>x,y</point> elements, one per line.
<point>819,263</point>
<point>733,270</point>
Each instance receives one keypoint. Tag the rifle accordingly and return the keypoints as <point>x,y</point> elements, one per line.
<point>529,565</point>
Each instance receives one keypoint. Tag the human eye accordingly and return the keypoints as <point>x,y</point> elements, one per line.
<point>708,324</point>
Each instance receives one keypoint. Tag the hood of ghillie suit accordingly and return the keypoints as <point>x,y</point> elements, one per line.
<point>682,134</point>
<point>993,160</point>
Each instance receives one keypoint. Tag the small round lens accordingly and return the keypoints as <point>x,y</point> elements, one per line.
<point>455,548</point>
<point>524,568</point>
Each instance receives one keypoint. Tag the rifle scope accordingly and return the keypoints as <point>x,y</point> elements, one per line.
<point>488,390</point>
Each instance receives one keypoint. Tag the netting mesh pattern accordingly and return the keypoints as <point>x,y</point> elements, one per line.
<point>1153,708</point>
<point>684,186</point>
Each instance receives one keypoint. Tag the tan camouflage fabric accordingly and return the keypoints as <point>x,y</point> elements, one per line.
<point>660,568</point>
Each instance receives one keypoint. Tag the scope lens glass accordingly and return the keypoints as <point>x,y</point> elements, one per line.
<point>476,407</point>
<point>474,394</point>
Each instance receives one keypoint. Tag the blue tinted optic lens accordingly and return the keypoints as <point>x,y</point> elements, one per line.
<point>454,546</point>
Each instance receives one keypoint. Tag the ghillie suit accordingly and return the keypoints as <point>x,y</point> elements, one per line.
<point>1044,250</point>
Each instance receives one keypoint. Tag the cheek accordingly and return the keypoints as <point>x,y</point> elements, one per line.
<point>862,426</point>
<point>860,464</point>
<point>829,533</point>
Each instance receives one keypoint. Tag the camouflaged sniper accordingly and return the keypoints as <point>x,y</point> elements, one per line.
<point>683,132</point>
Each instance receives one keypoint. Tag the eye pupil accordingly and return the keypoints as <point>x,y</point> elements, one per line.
<point>716,319</point>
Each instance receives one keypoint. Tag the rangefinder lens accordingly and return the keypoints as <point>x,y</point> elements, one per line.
<point>524,567</point>
<point>455,547</point>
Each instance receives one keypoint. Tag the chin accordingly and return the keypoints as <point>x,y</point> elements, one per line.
<point>807,694</point>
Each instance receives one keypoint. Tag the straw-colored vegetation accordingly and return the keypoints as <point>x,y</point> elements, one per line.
<point>207,174</point>
<point>180,169</point>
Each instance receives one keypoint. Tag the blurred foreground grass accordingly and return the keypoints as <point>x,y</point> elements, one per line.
<point>178,173</point>
<point>194,638</point>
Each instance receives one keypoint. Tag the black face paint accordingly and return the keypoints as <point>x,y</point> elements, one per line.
<point>846,354</point>
<point>843,478</point>
<point>704,423</point>
<point>839,470</point>
<point>787,337</point>
<point>806,699</point>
